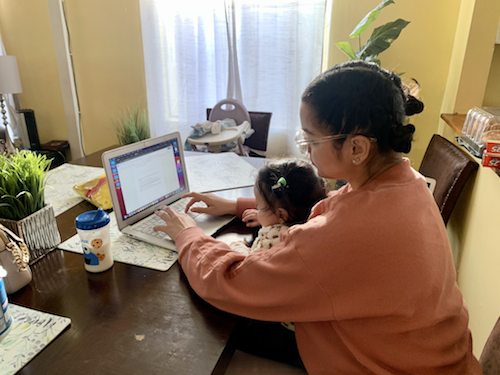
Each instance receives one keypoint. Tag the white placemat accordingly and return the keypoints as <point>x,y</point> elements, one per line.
<point>213,172</point>
<point>31,331</point>
<point>128,250</point>
<point>59,185</point>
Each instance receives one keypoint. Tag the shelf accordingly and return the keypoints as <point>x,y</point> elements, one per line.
<point>455,121</point>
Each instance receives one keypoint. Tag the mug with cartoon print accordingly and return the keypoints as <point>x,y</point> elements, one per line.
<point>93,229</point>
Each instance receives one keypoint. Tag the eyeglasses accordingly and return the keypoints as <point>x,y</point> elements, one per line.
<point>303,143</point>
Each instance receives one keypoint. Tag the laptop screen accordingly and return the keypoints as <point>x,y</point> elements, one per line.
<point>147,176</point>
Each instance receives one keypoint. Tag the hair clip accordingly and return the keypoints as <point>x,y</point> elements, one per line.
<point>280,183</point>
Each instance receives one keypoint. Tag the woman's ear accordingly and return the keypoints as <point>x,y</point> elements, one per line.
<point>360,149</point>
<point>283,215</point>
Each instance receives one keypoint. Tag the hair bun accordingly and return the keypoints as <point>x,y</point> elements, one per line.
<point>401,137</point>
<point>413,106</point>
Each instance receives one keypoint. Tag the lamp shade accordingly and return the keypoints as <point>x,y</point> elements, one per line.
<point>10,83</point>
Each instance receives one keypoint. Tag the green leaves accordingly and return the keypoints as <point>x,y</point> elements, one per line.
<point>347,49</point>
<point>381,39</point>
<point>369,18</point>
<point>132,127</point>
<point>22,182</point>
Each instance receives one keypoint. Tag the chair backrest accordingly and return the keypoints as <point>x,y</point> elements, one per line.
<point>238,113</point>
<point>490,356</point>
<point>260,122</point>
<point>451,168</point>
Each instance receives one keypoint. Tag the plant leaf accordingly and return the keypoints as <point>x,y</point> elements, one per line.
<point>381,38</point>
<point>369,18</point>
<point>22,179</point>
<point>133,126</point>
<point>347,49</point>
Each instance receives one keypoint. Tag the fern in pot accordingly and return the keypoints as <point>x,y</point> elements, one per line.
<point>22,202</point>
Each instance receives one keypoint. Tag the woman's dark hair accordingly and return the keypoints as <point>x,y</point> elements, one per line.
<point>358,97</point>
<point>292,184</point>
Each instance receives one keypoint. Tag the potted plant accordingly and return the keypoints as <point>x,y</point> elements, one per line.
<point>382,37</point>
<point>133,126</point>
<point>22,202</point>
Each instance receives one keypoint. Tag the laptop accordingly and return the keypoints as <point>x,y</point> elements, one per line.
<point>146,175</point>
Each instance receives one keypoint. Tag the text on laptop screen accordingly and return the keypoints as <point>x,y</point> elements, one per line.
<point>145,177</point>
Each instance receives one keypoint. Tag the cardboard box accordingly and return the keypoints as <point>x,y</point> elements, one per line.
<point>491,160</point>
<point>493,147</point>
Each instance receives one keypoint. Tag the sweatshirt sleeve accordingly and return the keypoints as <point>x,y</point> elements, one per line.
<point>243,204</point>
<point>271,285</point>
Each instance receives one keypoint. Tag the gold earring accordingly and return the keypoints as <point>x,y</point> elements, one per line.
<point>355,160</point>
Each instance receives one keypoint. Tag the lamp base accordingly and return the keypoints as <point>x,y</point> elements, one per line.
<point>8,141</point>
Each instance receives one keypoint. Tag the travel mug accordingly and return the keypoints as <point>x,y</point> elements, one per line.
<point>93,229</point>
<point>5,315</point>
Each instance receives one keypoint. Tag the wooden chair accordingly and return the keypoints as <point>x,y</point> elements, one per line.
<point>490,356</point>
<point>451,168</point>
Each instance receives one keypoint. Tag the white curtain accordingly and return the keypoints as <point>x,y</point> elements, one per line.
<point>276,51</point>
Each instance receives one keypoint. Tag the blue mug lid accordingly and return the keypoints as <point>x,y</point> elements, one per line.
<point>92,220</point>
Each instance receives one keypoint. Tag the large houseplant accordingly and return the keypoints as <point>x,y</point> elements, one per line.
<point>22,203</point>
<point>382,37</point>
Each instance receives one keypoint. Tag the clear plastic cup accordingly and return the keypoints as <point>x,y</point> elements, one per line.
<point>93,228</point>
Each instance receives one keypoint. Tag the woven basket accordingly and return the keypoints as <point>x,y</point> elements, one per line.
<point>39,231</point>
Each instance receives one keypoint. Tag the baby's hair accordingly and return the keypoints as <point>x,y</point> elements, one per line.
<point>358,97</point>
<point>298,190</point>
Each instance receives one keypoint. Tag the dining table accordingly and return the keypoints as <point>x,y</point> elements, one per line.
<point>128,319</point>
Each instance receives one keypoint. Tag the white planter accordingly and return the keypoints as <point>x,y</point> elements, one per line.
<point>39,231</point>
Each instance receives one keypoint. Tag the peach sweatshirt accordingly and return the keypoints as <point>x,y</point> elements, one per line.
<point>368,280</point>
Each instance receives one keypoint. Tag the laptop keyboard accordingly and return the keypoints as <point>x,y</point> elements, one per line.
<point>146,225</point>
<point>180,206</point>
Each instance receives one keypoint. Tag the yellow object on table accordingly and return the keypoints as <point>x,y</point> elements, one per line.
<point>96,191</point>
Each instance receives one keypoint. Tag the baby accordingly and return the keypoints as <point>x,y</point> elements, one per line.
<point>285,191</point>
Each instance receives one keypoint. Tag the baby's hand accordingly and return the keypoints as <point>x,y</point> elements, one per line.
<point>250,217</point>
<point>240,246</point>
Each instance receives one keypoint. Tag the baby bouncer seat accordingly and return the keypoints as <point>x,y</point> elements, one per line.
<point>233,109</point>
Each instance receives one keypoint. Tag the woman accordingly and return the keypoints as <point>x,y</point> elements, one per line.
<point>368,280</point>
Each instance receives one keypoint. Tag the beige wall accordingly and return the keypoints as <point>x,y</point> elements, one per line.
<point>106,43</point>
<point>26,34</point>
<point>492,93</point>
<point>422,51</point>
<point>108,59</point>
<point>473,226</point>
<point>480,45</point>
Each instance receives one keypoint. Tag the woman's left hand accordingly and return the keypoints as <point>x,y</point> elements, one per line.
<point>175,222</point>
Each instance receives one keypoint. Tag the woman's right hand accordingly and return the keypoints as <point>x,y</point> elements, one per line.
<point>215,205</point>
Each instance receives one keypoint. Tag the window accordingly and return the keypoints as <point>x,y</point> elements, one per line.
<point>263,53</point>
